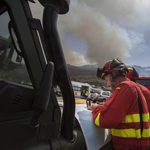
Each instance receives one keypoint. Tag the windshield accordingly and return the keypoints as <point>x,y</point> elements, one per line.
<point>12,66</point>
<point>96,91</point>
<point>106,93</point>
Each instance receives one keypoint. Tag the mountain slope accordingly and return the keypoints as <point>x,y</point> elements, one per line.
<point>142,71</point>
<point>87,74</point>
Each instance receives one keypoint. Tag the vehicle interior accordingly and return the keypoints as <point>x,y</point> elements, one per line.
<point>31,64</point>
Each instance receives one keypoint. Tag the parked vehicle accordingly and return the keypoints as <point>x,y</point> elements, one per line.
<point>78,88</point>
<point>145,81</point>
<point>57,91</point>
<point>99,95</point>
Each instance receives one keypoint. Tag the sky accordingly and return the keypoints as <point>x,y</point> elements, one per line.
<point>93,32</point>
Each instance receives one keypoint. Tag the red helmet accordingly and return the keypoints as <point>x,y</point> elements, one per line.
<point>110,66</point>
<point>132,74</point>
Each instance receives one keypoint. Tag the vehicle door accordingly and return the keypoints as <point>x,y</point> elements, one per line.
<point>20,81</point>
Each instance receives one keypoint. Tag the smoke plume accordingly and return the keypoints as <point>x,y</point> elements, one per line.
<point>109,29</point>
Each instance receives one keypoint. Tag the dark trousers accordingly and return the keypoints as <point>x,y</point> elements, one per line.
<point>148,148</point>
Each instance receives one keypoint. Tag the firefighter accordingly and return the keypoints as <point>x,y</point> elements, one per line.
<point>120,112</point>
<point>83,92</point>
<point>86,93</point>
<point>133,75</point>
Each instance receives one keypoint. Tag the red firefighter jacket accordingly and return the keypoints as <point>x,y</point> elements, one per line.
<point>120,113</point>
<point>146,94</point>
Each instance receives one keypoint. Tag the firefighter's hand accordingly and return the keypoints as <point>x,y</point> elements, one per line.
<point>92,106</point>
<point>101,104</point>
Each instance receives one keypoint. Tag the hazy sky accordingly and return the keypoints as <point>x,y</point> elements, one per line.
<point>99,30</point>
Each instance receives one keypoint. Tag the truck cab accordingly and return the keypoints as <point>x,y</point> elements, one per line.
<point>145,81</point>
<point>32,63</point>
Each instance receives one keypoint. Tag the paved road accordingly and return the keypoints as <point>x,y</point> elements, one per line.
<point>59,98</point>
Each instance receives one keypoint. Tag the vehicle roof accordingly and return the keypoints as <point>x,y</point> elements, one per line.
<point>143,77</point>
<point>100,90</point>
<point>79,84</point>
<point>97,89</point>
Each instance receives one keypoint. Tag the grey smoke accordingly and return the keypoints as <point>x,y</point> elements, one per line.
<point>105,27</point>
<point>109,29</point>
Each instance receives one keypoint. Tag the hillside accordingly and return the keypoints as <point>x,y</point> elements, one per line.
<point>87,74</point>
<point>143,71</point>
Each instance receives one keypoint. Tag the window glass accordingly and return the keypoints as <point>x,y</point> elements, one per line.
<point>96,91</point>
<point>109,93</point>
<point>144,82</point>
<point>12,65</point>
<point>106,93</point>
<point>76,88</point>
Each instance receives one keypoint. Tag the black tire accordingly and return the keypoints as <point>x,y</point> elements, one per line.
<point>104,100</point>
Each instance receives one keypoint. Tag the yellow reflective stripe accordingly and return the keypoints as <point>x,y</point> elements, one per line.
<point>118,88</point>
<point>136,118</point>
<point>131,133</point>
<point>104,65</point>
<point>97,120</point>
<point>145,117</point>
<point>144,99</point>
<point>146,133</point>
<point>102,75</point>
<point>130,68</point>
<point>108,61</point>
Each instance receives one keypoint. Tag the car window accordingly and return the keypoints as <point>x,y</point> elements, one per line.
<point>110,93</point>
<point>106,93</point>
<point>12,65</point>
<point>76,88</point>
<point>97,91</point>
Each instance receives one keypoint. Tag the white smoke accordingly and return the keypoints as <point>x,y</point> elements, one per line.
<point>109,29</point>
<point>98,25</point>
